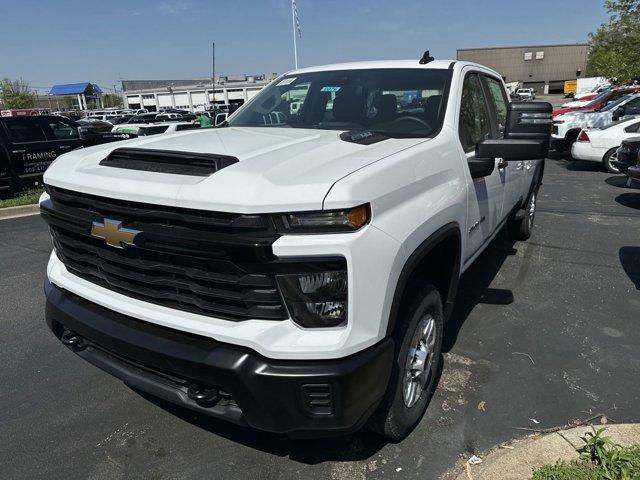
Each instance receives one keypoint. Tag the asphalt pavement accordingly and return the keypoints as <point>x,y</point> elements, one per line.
<point>544,332</point>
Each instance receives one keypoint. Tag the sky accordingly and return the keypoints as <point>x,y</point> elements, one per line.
<point>49,42</point>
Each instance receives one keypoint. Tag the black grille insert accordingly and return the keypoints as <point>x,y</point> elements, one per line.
<point>167,161</point>
<point>211,263</point>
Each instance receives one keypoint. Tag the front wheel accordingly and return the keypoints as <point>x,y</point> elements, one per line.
<point>418,341</point>
<point>608,159</point>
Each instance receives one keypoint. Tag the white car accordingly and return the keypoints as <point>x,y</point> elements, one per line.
<point>526,93</point>
<point>600,145</point>
<point>294,272</point>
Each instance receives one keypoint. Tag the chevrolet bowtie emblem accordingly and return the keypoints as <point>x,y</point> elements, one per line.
<point>113,233</point>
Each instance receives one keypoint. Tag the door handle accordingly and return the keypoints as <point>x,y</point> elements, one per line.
<point>17,151</point>
<point>502,164</point>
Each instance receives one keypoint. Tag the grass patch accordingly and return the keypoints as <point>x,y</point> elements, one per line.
<point>600,459</point>
<point>28,198</point>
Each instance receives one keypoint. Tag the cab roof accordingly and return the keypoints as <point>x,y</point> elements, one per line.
<point>435,64</point>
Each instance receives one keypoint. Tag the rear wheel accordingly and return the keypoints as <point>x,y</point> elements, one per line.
<point>418,340</point>
<point>520,224</point>
<point>608,159</point>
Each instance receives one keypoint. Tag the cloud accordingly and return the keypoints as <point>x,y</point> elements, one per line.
<point>173,8</point>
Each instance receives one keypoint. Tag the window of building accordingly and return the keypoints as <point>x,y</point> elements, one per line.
<point>539,55</point>
<point>528,55</point>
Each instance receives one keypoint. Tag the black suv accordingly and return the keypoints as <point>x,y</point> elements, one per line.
<point>28,145</point>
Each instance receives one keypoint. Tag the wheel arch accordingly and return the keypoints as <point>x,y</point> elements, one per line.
<point>436,260</point>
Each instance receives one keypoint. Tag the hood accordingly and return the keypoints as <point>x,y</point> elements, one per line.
<point>279,169</point>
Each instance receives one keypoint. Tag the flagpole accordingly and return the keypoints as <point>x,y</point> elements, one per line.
<point>295,44</point>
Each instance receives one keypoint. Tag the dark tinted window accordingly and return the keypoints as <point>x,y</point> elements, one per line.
<point>498,101</point>
<point>475,123</point>
<point>186,127</point>
<point>633,107</point>
<point>57,129</point>
<point>152,130</point>
<point>24,130</point>
<point>633,128</point>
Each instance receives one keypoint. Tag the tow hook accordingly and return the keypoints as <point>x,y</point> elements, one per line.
<point>205,397</point>
<point>72,340</point>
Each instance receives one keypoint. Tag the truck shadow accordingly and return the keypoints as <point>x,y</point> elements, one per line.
<point>355,447</point>
<point>630,261</point>
<point>474,289</point>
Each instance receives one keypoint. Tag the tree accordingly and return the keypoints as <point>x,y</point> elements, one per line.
<point>111,100</point>
<point>614,48</point>
<point>16,94</point>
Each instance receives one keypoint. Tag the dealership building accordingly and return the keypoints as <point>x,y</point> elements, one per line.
<point>156,95</point>
<point>543,67</point>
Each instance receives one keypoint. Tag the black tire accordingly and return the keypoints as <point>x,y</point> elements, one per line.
<point>394,418</point>
<point>520,224</point>
<point>606,161</point>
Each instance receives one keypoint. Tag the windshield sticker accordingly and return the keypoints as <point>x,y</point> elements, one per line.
<point>329,89</point>
<point>286,81</point>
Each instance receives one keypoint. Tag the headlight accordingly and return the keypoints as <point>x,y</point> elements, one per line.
<point>317,299</point>
<point>330,221</point>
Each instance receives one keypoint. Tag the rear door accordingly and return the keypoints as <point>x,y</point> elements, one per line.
<point>484,195</point>
<point>62,134</point>
<point>512,172</point>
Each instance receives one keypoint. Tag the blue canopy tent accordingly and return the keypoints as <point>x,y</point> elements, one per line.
<point>83,92</point>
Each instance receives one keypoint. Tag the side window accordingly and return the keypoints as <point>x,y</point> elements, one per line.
<point>498,101</point>
<point>633,107</point>
<point>475,124</point>
<point>633,128</point>
<point>60,130</point>
<point>24,131</point>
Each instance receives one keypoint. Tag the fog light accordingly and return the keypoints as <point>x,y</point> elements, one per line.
<point>316,299</point>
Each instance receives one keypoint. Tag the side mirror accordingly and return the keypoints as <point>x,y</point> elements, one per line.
<point>512,149</point>
<point>526,137</point>
<point>618,112</point>
<point>220,119</point>
<point>481,167</point>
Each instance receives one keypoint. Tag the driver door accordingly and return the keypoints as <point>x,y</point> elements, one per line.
<point>485,196</point>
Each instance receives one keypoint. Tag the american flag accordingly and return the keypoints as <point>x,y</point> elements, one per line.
<point>294,6</point>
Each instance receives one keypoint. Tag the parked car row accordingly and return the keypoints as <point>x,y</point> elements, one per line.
<point>595,130</point>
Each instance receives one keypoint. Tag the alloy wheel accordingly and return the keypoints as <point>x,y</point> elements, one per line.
<point>419,360</point>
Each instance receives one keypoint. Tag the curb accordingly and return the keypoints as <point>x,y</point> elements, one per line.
<point>21,211</point>
<point>516,460</point>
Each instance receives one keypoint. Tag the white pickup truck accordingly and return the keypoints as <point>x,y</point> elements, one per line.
<point>294,276</point>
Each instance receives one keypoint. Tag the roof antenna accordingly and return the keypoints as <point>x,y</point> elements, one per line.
<point>426,58</point>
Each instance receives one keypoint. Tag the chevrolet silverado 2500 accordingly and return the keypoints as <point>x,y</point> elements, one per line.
<point>293,271</point>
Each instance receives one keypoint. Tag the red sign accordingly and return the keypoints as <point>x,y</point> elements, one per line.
<point>22,112</point>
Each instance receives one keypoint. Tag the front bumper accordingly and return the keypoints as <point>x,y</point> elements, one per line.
<point>225,381</point>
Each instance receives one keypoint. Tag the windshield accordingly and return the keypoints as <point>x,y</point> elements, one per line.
<point>614,103</point>
<point>395,102</point>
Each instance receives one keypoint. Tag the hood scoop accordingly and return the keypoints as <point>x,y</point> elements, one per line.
<point>167,161</point>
